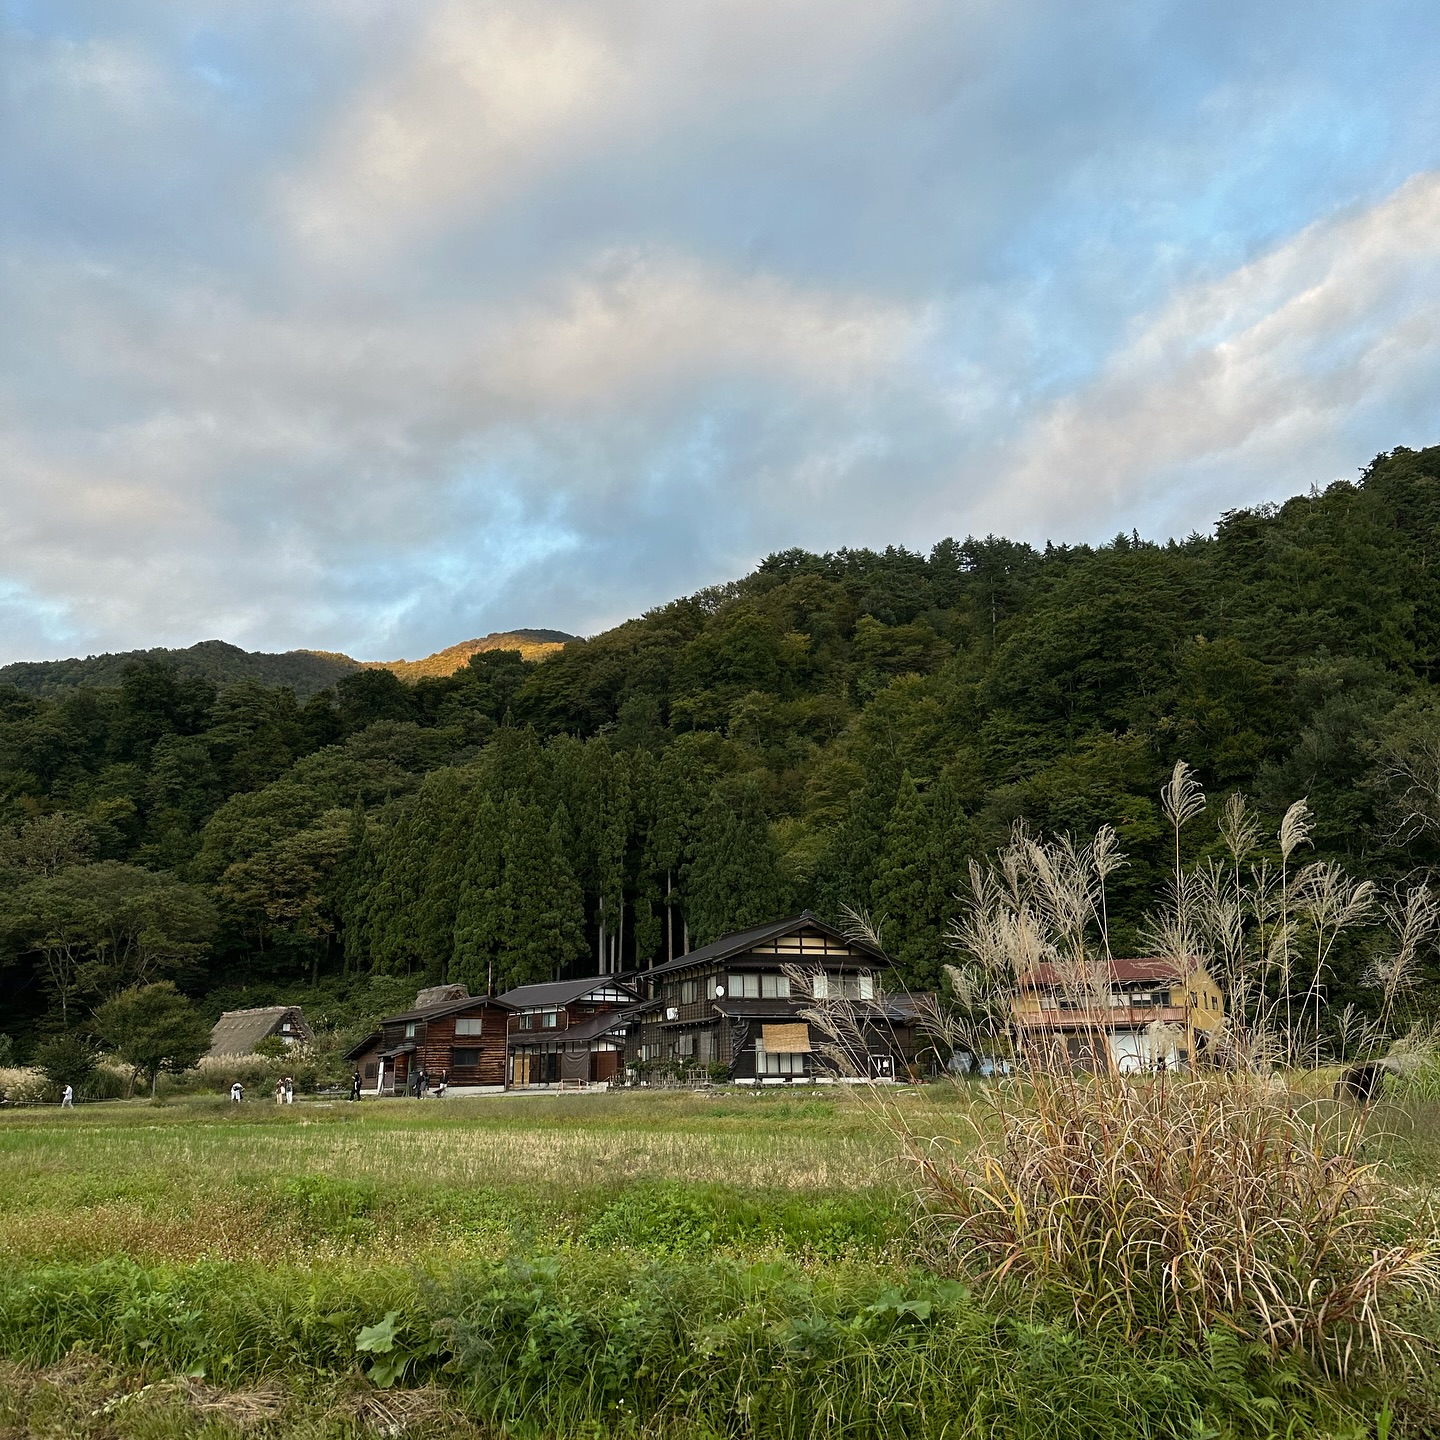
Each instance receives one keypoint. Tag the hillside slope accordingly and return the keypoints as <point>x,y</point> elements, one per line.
<point>532,644</point>
<point>305,671</point>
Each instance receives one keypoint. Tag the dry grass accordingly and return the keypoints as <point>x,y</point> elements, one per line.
<point>1151,1204</point>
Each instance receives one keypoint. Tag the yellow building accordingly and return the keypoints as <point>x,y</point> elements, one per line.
<point>1135,1015</point>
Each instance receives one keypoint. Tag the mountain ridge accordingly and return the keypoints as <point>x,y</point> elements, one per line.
<point>307,672</point>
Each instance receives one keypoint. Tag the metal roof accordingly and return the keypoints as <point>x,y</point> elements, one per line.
<point>743,940</point>
<point>449,1007</point>
<point>562,992</point>
<point>238,1032</point>
<point>1120,972</point>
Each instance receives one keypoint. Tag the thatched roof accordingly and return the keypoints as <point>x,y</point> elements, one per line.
<point>238,1032</point>
<point>439,994</point>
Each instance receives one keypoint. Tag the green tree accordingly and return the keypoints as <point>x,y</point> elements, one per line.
<point>540,907</point>
<point>734,880</point>
<point>66,1059</point>
<point>153,1028</point>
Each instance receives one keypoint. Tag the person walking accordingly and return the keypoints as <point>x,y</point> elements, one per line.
<point>355,1086</point>
<point>443,1085</point>
<point>289,1089</point>
<point>67,1098</point>
<point>279,1091</point>
<point>237,1093</point>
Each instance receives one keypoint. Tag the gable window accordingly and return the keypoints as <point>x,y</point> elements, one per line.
<point>410,1029</point>
<point>470,1025</point>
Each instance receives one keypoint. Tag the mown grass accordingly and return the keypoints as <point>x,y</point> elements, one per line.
<point>663,1265</point>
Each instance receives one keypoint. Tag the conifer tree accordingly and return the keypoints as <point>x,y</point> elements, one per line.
<point>918,873</point>
<point>477,918</point>
<point>734,880</point>
<point>540,911</point>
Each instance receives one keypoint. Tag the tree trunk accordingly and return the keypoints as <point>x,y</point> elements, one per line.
<point>669,918</point>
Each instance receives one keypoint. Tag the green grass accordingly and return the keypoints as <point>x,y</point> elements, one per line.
<point>666,1265</point>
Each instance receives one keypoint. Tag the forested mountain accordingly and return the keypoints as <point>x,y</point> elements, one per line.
<point>849,728</point>
<point>532,645</point>
<point>306,672</point>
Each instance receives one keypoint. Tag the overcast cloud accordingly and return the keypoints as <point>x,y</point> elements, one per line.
<point>373,326</point>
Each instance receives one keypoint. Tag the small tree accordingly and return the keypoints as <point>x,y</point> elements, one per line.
<point>66,1059</point>
<point>153,1028</point>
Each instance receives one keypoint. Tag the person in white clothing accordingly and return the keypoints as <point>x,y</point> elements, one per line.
<point>67,1099</point>
<point>237,1093</point>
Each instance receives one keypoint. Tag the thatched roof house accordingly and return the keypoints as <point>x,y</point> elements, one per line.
<point>238,1032</point>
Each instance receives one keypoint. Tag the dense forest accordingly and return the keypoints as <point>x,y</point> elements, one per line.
<point>840,729</point>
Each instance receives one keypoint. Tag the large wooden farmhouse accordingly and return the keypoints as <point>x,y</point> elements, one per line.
<point>1130,1015</point>
<point>734,1007</point>
<point>570,1030</point>
<point>449,1032</point>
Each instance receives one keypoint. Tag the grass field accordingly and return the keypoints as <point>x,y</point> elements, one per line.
<point>659,1264</point>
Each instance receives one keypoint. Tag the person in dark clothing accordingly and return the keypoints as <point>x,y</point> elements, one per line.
<point>355,1086</point>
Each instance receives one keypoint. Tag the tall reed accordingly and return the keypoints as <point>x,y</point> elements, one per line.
<point>1162,1202</point>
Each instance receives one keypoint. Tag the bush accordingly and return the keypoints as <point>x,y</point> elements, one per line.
<point>1147,1205</point>
<point>66,1059</point>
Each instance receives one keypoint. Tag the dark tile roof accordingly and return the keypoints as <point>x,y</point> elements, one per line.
<point>743,940</point>
<point>592,1027</point>
<point>374,1038</point>
<point>560,992</point>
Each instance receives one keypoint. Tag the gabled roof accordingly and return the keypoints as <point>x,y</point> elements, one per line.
<point>562,992</point>
<point>743,940</point>
<point>238,1032</point>
<point>448,1007</point>
<point>1140,971</point>
<point>592,1027</point>
<point>359,1048</point>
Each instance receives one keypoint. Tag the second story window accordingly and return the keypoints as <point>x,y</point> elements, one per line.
<point>470,1025</point>
<point>410,1029</point>
<point>689,991</point>
<point>550,1020</point>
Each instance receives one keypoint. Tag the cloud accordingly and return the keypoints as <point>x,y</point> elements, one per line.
<point>1276,370</point>
<point>371,327</point>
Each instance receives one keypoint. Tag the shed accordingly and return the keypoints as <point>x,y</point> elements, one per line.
<point>238,1032</point>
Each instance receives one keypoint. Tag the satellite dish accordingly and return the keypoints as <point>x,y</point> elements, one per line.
<point>719,992</point>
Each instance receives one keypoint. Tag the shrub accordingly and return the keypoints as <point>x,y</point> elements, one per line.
<point>1151,1204</point>
<point>66,1059</point>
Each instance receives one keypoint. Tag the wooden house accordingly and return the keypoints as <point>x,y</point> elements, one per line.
<point>1129,1015</point>
<point>461,1037</point>
<point>568,1031</point>
<point>238,1032</point>
<point>731,1006</point>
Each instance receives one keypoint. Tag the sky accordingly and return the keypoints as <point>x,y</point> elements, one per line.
<point>375,325</point>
